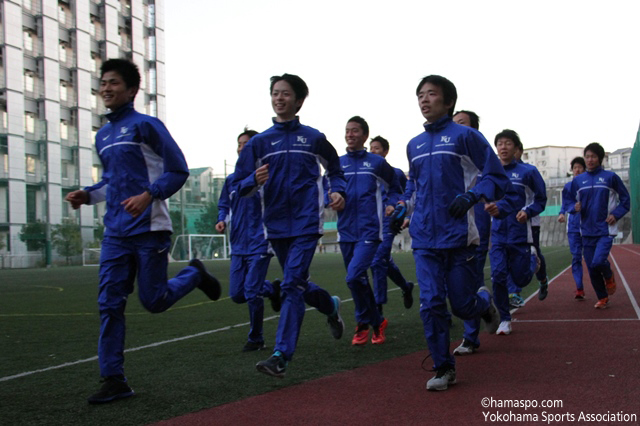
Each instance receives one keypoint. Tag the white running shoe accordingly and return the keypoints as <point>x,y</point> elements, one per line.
<point>504,328</point>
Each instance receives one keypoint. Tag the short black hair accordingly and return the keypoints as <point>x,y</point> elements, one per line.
<point>473,118</point>
<point>362,122</point>
<point>248,132</point>
<point>449,92</point>
<point>382,141</point>
<point>578,160</point>
<point>125,68</point>
<point>597,149</point>
<point>297,84</point>
<point>509,134</point>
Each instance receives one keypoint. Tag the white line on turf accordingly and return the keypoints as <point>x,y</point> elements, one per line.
<point>538,291</point>
<point>151,345</point>
<point>632,298</point>
<point>632,251</point>
<point>578,320</point>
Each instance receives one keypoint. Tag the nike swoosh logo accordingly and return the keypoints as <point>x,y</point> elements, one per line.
<point>273,143</point>
<point>470,258</point>
<point>161,250</point>
<point>105,138</point>
<point>345,166</point>
<point>421,145</point>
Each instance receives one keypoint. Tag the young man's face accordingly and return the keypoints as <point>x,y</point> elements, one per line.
<point>376,148</point>
<point>114,91</point>
<point>284,102</point>
<point>577,169</point>
<point>506,150</point>
<point>242,141</point>
<point>355,137</point>
<point>431,102</point>
<point>592,160</point>
<point>462,119</point>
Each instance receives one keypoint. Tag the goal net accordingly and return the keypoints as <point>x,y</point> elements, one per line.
<point>90,256</point>
<point>201,246</point>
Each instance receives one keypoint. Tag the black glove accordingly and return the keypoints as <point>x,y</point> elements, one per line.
<point>462,204</point>
<point>397,218</point>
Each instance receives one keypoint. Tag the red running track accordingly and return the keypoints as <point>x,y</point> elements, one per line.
<point>562,350</point>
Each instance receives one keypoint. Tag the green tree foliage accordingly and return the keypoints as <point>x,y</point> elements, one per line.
<point>176,224</point>
<point>34,234</point>
<point>67,239</point>
<point>206,223</point>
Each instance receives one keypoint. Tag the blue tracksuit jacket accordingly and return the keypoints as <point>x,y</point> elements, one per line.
<point>137,153</point>
<point>600,192</point>
<point>573,219</point>
<point>368,177</point>
<point>293,196</point>
<point>245,215</point>
<point>455,154</point>
<point>531,196</point>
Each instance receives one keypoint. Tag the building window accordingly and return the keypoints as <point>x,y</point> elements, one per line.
<point>542,153</point>
<point>153,108</point>
<point>30,164</point>
<point>29,123</point>
<point>95,174</point>
<point>64,169</point>
<point>28,41</point>
<point>525,156</point>
<point>94,131</point>
<point>26,4</point>
<point>625,160</point>
<point>63,91</point>
<point>62,15</point>
<point>5,118</point>
<point>94,64</point>
<point>94,100</point>
<point>63,53</point>
<point>64,130</point>
<point>92,27</point>
<point>28,82</point>
<point>613,161</point>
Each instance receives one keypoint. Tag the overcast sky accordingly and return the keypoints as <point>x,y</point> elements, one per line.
<point>557,72</point>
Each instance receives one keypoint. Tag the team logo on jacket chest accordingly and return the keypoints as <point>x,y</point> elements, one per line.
<point>601,180</point>
<point>301,139</point>
<point>445,139</point>
<point>366,165</point>
<point>123,132</point>
<point>515,175</point>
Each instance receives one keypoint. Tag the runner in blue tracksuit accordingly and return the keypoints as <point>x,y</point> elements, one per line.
<point>511,237</point>
<point>578,167</point>
<point>444,164</point>
<point>602,199</point>
<point>360,224</point>
<point>285,164</point>
<point>471,341</point>
<point>250,254</point>
<point>142,167</point>
<point>383,265</point>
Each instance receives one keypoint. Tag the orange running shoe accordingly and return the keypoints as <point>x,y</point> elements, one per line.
<point>602,303</point>
<point>378,335</point>
<point>610,283</point>
<point>579,294</point>
<point>361,336</point>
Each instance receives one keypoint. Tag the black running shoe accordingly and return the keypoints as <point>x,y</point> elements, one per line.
<point>208,283</point>
<point>253,346</point>
<point>112,388</point>
<point>407,296</point>
<point>275,365</point>
<point>335,321</point>
<point>276,298</point>
<point>544,289</point>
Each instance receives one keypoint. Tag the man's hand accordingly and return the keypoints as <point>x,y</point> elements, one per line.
<point>562,218</point>
<point>397,218</point>
<point>461,204</point>
<point>611,220</point>
<point>522,216</point>
<point>389,210</point>
<point>337,201</point>
<point>262,174</point>
<point>405,223</point>
<point>137,204</point>
<point>77,198</point>
<point>221,226</point>
<point>578,206</point>
<point>492,209</point>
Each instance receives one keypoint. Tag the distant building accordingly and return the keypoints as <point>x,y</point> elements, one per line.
<point>51,53</point>
<point>553,162</point>
<point>202,188</point>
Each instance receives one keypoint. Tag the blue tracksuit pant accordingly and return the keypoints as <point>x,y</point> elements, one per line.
<point>443,272</point>
<point>382,267</point>
<point>247,285</point>
<point>357,259</point>
<point>295,255</point>
<point>541,275</point>
<point>472,327</point>
<point>121,259</point>
<point>575,246</point>
<point>596,252</point>
<point>512,261</point>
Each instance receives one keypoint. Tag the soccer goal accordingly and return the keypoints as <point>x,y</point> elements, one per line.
<point>202,246</point>
<point>90,256</point>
